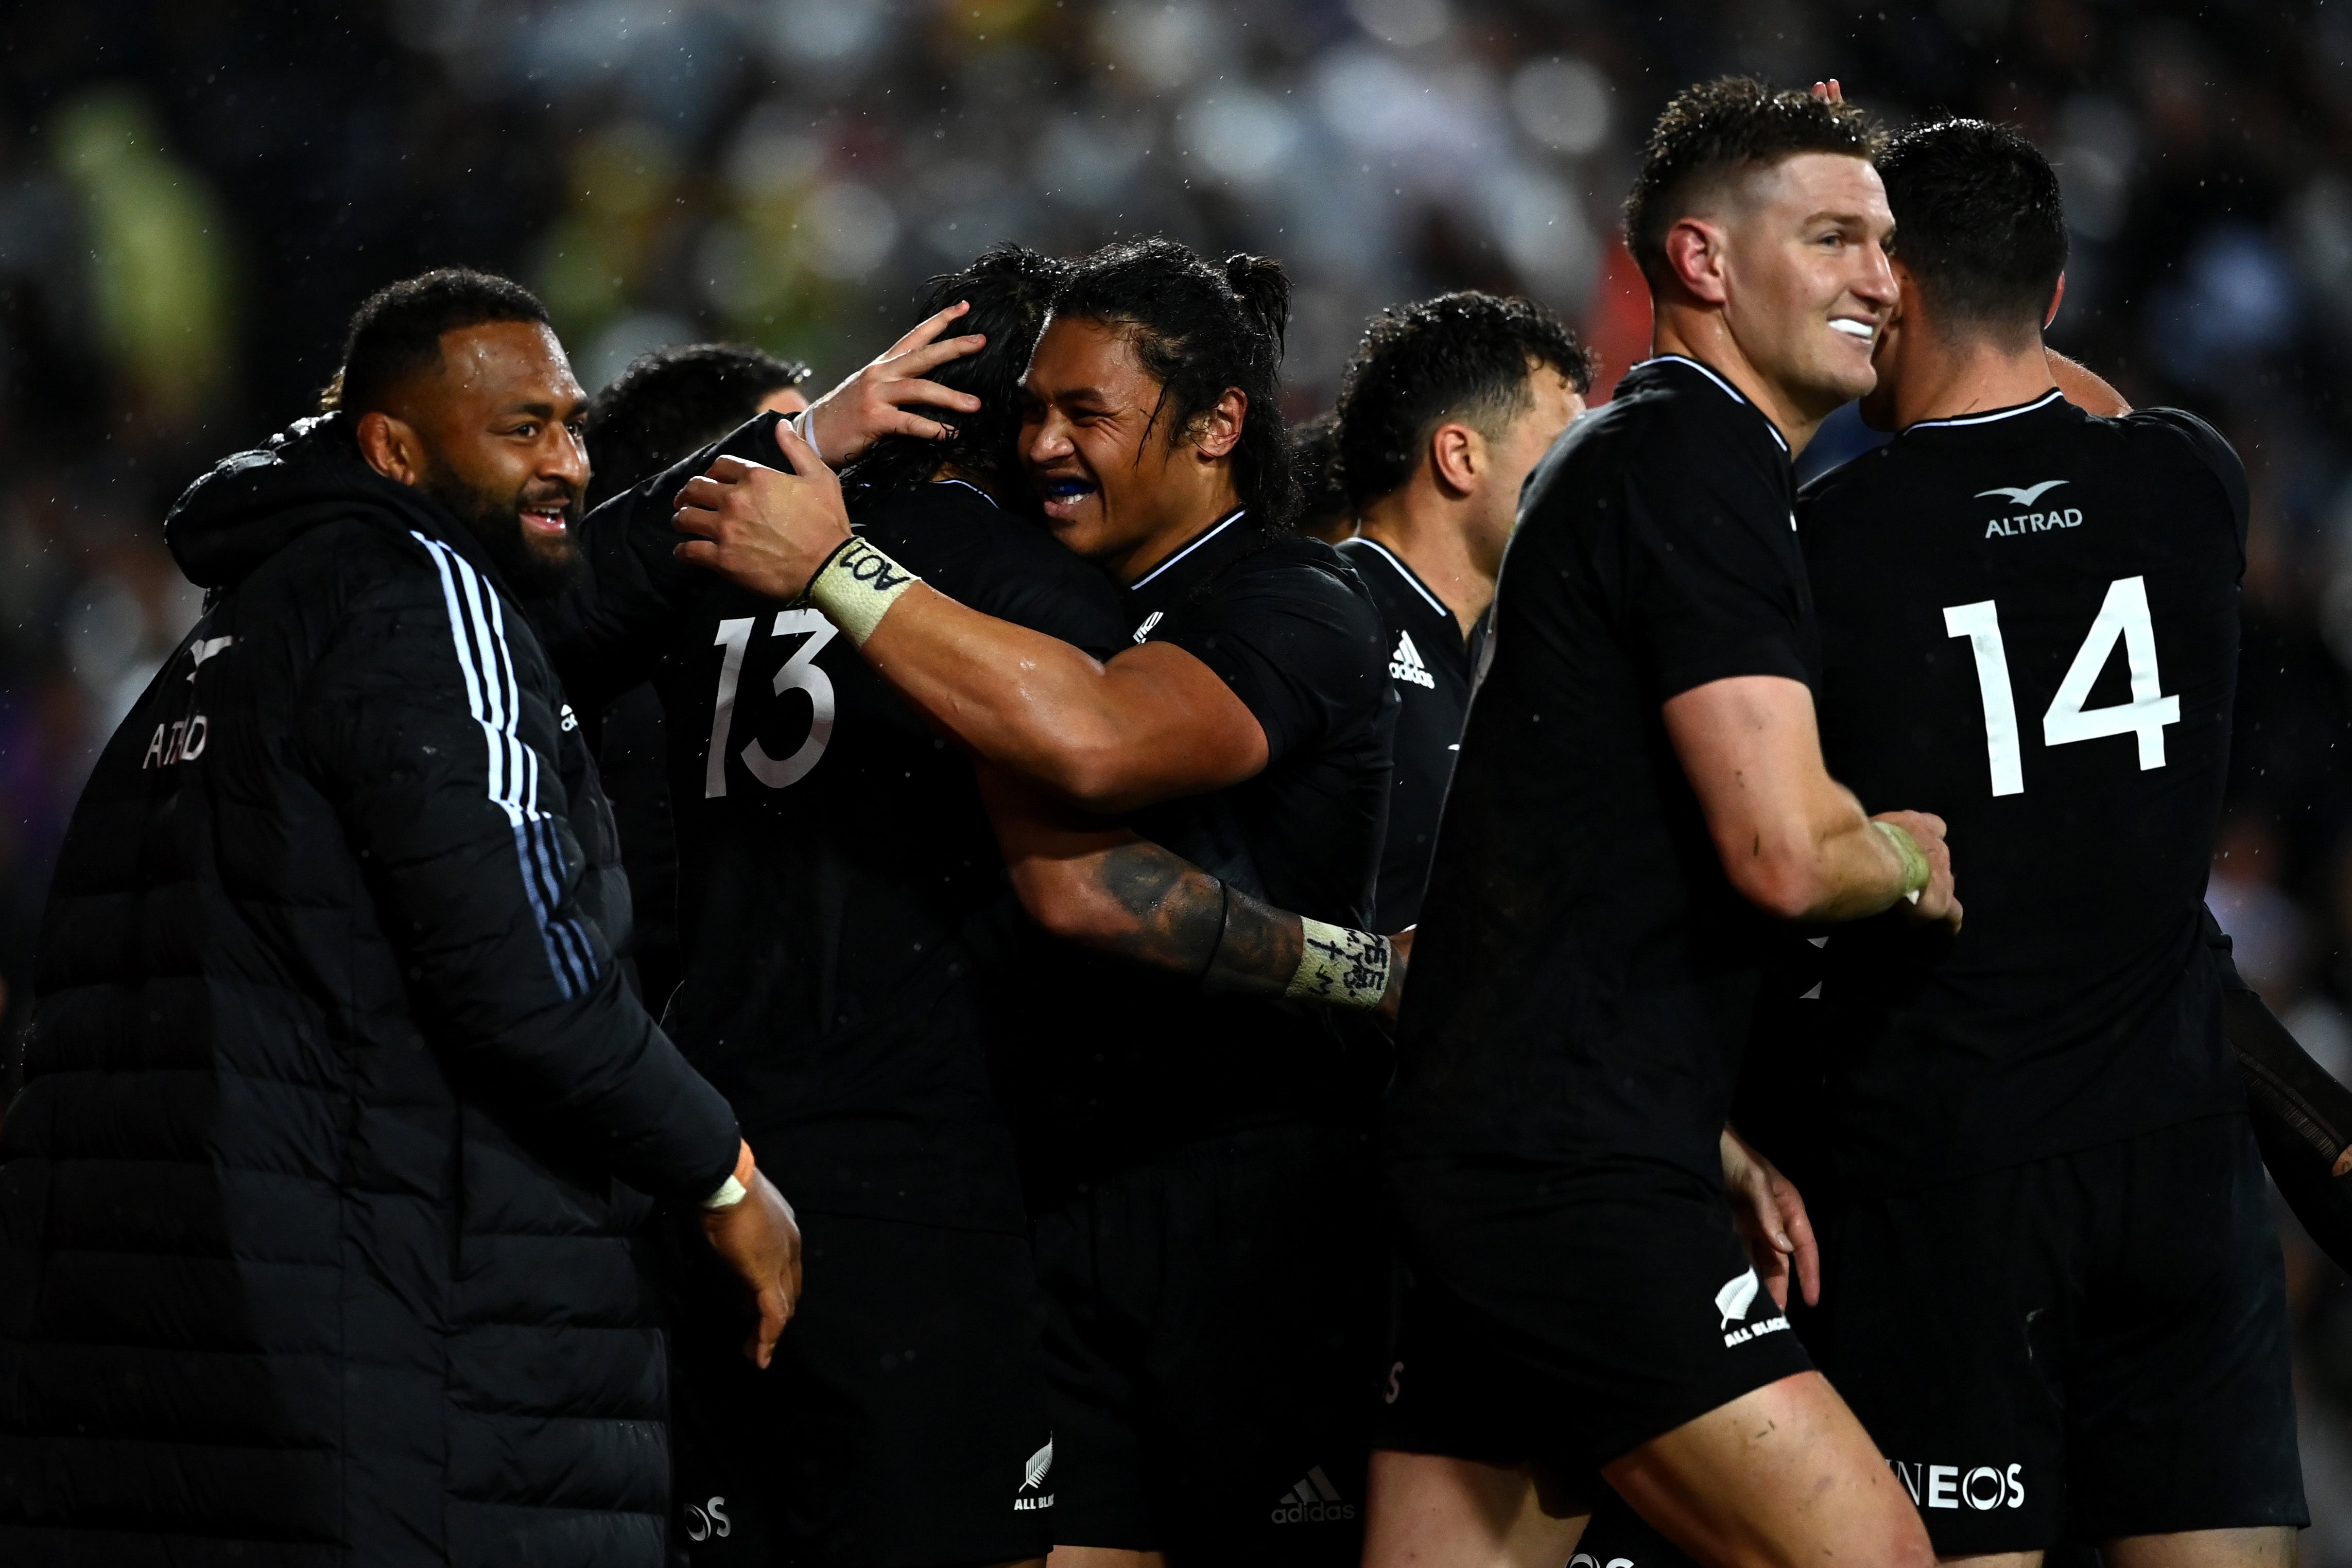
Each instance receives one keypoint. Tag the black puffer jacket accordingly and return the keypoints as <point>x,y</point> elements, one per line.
<point>312,1246</point>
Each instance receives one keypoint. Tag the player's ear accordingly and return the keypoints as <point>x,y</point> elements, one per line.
<point>391,447</point>
<point>1695,256</point>
<point>1220,429</point>
<point>2057,297</point>
<point>1457,454</point>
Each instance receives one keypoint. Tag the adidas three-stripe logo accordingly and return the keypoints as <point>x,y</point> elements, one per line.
<point>1405,665</point>
<point>1314,1501</point>
<point>478,632</point>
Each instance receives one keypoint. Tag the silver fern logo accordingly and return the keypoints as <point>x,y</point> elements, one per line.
<point>1032,1476</point>
<point>1734,1300</point>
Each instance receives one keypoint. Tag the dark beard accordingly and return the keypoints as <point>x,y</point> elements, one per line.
<point>529,571</point>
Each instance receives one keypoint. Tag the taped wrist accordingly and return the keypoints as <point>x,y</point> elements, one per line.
<point>1341,967</point>
<point>1916,873</point>
<point>857,586</point>
<point>738,1185</point>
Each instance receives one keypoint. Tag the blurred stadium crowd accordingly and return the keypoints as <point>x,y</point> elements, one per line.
<point>193,196</point>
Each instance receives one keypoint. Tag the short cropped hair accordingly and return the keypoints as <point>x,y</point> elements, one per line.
<point>673,402</point>
<point>396,332</point>
<point>1323,499</point>
<point>1979,222</point>
<point>1463,356</point>
<point>1717,131</point>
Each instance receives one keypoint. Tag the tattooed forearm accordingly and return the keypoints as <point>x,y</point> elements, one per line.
<point>1260,951</point>
<point>1171,909</point>
<point>1178,918</point>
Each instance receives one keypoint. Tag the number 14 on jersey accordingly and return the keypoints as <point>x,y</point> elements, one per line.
<point>2123,616</point>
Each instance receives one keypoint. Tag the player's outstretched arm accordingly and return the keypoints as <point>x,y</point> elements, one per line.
<point>1100,886</point>
<point>1792,839</point>
<point>1152,723</point>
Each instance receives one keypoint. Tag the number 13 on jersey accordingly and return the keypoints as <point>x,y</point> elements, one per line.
<point>2124,616</point>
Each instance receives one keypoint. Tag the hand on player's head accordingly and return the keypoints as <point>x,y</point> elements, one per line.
<point>761,527</point>
<point>883,397</point>
<point>1939,904</point>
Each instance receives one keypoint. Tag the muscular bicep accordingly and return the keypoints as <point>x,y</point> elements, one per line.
<point>1751,747</point>
<point>1180,730</point>
<point>1153,723</point>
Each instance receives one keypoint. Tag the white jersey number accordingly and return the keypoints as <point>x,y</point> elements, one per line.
<point>2123,616</point>
<point>799,672</point>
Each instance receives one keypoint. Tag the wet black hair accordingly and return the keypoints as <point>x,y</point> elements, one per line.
<point>1323,503</point>
<point>671,403</point>
<point>1717,128</point>
<point>1464,356</point>
<point>396,332</point>
<point>1011,287</point>
<point>1200,328</point>
<point>1979,222</point>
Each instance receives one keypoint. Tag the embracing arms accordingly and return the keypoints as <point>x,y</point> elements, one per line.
<point>1150,722</point>
<point>1792,839</point>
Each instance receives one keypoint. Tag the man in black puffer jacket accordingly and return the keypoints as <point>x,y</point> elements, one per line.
<point>313,1240</point>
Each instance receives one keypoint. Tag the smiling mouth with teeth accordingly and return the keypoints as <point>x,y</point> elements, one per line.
<point>1862,329</point>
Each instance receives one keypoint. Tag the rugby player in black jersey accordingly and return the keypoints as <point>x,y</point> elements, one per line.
<point>668,404</point>
<point>2043,1164</point>
<point>1206,1228</point>
<point>837,989</point>
<point>1640,796</point>
<point>1445,409</point>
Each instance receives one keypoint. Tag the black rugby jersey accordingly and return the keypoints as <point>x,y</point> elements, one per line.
<point>2030,628</point>
<point>1119,1061</point>
<point>1582,978</point>
<point>1430,665</point>
<point>843,905</point>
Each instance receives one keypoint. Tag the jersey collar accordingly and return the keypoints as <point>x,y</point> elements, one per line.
<point>1733,393</point>
<point>1213,529</point>
<point>1402,570</point>
<point>2044,400</point>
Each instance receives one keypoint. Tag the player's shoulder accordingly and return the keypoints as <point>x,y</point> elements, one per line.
<point>2176,429</point>
<point>1294,566</point>
<point>1383,577</point>
<point>1671,428</point>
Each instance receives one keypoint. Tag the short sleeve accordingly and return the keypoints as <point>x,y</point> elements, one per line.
<point>1714,585</point>
<point>2213,451</point>
<point>1304,649</point>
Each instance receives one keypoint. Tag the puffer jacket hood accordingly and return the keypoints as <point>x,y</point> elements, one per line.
<point>254,504</point>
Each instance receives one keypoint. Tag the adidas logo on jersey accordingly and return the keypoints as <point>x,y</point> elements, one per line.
<point>1405,665</point>
<point>1314,1501</point>
<point>1032,1476</point>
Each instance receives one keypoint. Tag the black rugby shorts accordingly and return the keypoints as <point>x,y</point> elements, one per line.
<point>1566,1315</point>
<point>2089,1346</point>
<point>901,1425</point>
<point>1214,1330</point>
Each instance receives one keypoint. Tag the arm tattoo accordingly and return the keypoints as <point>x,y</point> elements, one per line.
<point>1186,921</point>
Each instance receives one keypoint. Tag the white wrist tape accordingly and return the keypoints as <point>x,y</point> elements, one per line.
<point>734,1189</point>
<point>805,428</point>
<point>1344,967</point>
<point>855,587</point>
<point>1917,872</point>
